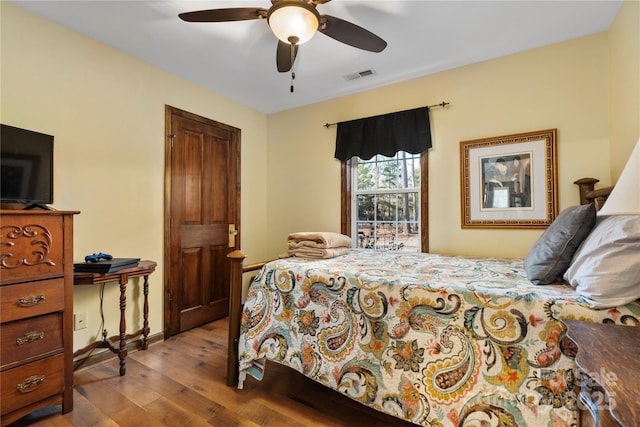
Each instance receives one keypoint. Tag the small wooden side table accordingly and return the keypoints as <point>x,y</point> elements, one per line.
<point>608,362</point>
<point>144,269</point>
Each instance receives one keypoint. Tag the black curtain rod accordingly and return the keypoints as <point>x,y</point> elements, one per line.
<point>441,105</point>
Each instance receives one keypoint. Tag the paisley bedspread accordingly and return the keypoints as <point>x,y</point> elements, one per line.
<point>435,340</point>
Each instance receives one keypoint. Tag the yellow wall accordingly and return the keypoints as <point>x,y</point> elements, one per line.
<point>106,110</point>
<point>561,86</point>
<point>624,85</point>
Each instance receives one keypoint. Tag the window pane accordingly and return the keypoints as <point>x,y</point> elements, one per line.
<point>408,237</point>
<point>412,174</point>
<point>389,174</point>
<point>386,235</point>
<point>367,176</point>
<point>407,207</point>
<point>364,207</point>
<point>366,235</point>
<point>380,172</point>
<point>386,207</point>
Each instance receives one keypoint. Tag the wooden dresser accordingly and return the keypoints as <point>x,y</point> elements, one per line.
<point>608,366</point>
<point>36,312</point>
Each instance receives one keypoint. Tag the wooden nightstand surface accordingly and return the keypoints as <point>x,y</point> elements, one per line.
<point>609,354</point>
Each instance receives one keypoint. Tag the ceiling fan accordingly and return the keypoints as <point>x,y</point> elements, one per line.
<point>294,22</point>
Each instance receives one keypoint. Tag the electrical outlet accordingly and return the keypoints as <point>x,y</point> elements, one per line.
<point>79,321</point>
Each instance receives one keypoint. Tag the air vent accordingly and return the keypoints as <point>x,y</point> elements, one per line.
<point>359,74</point>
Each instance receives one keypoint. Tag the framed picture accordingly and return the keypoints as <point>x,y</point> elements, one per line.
<point>509,181</point>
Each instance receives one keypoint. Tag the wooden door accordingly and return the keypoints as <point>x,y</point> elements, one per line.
<point>202,203</point>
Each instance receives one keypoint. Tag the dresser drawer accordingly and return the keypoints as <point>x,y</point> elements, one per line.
<point>32,247</point>
<point>24,300</point>
<point>25,339</point>
<point>31,383</point>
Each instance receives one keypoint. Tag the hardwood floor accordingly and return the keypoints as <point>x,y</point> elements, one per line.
<point>181,382</point>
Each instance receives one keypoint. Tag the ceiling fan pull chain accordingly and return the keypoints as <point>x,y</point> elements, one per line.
<point>293,59</point>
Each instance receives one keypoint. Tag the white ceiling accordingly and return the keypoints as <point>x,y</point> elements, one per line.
<point>237,59</point>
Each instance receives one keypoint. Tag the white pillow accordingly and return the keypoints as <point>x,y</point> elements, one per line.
<point>606,268</point>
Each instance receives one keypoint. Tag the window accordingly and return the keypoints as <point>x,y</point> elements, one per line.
<point>385,202</point>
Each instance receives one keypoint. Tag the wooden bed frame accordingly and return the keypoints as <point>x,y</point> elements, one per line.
<point>588,194</point>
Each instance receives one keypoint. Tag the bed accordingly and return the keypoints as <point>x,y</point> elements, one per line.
<point>430,339</point>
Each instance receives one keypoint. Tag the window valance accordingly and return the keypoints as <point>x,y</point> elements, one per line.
<point>385,134</point>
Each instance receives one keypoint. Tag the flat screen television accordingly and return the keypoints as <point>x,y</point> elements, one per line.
<point>26,166</point>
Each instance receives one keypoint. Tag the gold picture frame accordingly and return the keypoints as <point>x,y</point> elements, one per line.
<point>509,181</point>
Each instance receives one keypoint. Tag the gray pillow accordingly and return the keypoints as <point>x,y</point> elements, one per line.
<point>606,268</point>
<point>551,255</point>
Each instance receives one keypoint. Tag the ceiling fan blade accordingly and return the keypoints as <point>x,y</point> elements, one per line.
<point>285,56</point>
<point>351,34</point>
<point>224,15</point>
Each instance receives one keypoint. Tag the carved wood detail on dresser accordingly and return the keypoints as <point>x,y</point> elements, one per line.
<point>36,311</point>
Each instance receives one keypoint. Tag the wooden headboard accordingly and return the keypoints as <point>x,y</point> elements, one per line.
<point>588,193</point>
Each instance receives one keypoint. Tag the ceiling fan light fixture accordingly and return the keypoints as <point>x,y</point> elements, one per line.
<point>293,21</point>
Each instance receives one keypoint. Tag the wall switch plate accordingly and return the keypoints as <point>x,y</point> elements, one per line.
<point>79,321</point>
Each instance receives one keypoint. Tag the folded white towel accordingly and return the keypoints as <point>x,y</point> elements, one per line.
<point>318,253</point>
<point>314,239</point>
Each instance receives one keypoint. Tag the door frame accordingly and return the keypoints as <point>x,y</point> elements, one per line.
<point>169,112</point>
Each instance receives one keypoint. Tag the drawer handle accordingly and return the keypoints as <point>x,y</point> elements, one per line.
<point>30,384</point>
<point>30,337</point>
<point>30,301</point>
